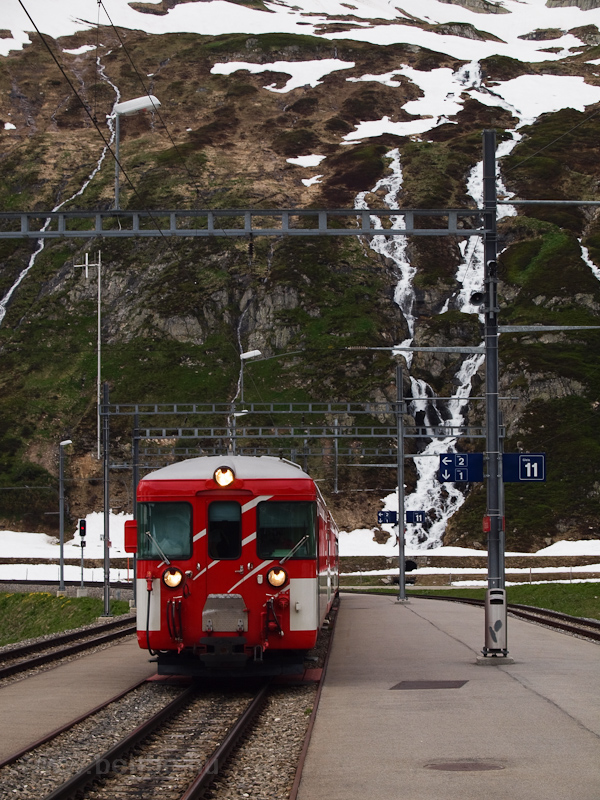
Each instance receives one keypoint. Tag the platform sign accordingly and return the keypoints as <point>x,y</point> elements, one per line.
<point>387,517</point>
<point>416,517</point>
<point>456,467</point>
<point>523,467</point>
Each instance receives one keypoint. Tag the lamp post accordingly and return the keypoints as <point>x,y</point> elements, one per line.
<point>61,511</point>
<point>245,357</point>
<point>126,109</point>
<point>235,415</point>
<point>85,266</point>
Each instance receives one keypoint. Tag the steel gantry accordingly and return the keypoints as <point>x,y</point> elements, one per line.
<point>174,224</point>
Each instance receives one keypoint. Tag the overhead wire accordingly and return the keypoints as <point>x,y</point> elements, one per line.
<point>147,92</point>
<point>93,121</point>
<point>557,139</point>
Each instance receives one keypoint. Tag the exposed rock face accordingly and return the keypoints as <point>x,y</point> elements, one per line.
<point>479,6</point>
<point>584,5</point>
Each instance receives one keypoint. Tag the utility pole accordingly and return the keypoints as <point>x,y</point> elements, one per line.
<point>495,648</point>
<point>494,511</point>
<point>98,265</point>
<point>400,478</point>
<point>106,543</point>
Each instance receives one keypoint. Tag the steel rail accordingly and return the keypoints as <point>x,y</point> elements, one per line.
<point>199,784</point>
<point>553,619</point>
<point>68,725</point>
<point>222,752</point>
<point>62,638</point>
<point>91,771</point>
<point>45,658</point>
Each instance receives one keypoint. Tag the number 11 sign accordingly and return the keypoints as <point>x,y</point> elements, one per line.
<point>523,467</point>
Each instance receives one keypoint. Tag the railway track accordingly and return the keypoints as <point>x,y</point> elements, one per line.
<point>175,754</point>
<point>587,628</point>
<point>31,656</point>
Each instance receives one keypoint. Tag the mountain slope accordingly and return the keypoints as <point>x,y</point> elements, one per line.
<point>311,105</point>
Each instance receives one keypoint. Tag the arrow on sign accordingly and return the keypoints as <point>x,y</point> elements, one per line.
<point>447,460</point>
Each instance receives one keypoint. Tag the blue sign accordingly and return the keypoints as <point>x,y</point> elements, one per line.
<point>415,517</point>
<point>386,517</point>
<point>523,467</point>
<point>455,467</point>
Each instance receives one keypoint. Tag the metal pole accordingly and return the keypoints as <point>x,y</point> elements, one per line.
<point>105,442</point>
<point>81,567</point>
<point>400,476</point>
<point>61,518</point>
<point>335,442</point>
<point>136,480</point>
<point>117,133</point>
<point>99,266</point>
<point>493,455</point>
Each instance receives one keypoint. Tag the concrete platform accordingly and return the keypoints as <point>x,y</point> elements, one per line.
<point>34,707</point>
<point>530,730</point>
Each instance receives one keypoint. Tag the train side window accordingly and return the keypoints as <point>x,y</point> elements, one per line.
<point>281,526</point>
<point>224,529</point>
<point>164,529</point>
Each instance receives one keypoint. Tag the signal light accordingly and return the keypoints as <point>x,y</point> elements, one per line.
<point>224,476</point>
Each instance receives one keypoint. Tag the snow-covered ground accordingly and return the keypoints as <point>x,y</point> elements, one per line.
<point>14,544</point>
<point>371,20</point>
<point>17,545</point>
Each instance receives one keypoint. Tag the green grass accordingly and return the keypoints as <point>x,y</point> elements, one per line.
<point>26,616</point>
<point>579,600</point>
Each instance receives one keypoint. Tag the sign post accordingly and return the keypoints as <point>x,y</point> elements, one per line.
<point>400,476</point>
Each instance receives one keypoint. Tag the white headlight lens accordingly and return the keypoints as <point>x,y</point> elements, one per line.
<point>277,577</point>
<point>224,476</point>
<point>172,577</point>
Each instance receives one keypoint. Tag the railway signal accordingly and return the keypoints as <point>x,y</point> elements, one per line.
<point>82,527</point>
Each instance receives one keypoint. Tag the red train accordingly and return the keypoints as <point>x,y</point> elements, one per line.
<point>237,565</point>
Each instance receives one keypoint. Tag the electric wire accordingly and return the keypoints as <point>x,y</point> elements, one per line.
<point>558,138</point>
<point>147,92</point>
<point>95,123</point>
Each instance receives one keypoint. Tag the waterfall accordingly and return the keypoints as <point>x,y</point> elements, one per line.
<point>439,500</point>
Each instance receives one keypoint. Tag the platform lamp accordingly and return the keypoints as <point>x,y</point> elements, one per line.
<point>243,358</point>
<point>61,511</point>
<point>126,109</point>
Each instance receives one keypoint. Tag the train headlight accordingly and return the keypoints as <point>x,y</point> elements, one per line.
<point>172,577</point>
<point>277,577</point>
<point>224,476</point>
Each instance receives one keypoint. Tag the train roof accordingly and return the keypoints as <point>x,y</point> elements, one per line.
<point>245,467</point>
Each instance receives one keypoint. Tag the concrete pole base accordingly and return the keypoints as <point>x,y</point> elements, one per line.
<point>494,661</point>
<point>82,592</point>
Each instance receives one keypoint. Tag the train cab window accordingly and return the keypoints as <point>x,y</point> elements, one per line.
<point>164,529</point>
<point>283,526</point>
<point>224,529</point>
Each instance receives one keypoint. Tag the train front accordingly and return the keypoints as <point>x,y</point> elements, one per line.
<point>231,555</point>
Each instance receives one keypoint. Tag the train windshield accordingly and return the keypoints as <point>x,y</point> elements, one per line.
<point>170,529</point>
<point>281,526</point>
<point>224,529</point>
